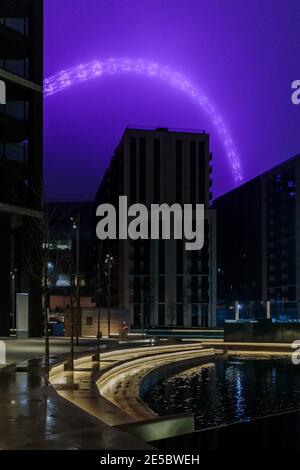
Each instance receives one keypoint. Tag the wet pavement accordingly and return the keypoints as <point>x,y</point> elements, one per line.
<point>34,416</point>
<point>18,350</point>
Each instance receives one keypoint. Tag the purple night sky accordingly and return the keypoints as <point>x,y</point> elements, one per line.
<point>244,55</point>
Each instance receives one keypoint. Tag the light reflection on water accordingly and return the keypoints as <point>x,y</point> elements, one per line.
<point>229,391</point>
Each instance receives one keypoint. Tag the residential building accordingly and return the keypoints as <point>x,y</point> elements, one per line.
<point>258,237</point>
<point>159,281</point>
<point>21,161</point>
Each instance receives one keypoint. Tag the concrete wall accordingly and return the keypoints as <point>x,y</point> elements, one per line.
<point>90,321</point>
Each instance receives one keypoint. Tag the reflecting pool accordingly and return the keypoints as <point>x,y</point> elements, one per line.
<point>229,391</point>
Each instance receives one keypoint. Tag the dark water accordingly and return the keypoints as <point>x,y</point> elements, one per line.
<point>229,391</point>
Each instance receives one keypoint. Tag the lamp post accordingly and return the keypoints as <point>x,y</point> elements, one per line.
<point>109,262</point>
<point>71,364</point>
<point>47,348</point>
<point>99,291</point>
<point>76,227</point>
<point>143,312</point>
<point>13,299</point>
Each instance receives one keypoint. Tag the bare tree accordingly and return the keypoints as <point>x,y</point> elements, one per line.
<point>99,293</point>
<point>40,234</point>
<point>72,297</point>
<point>37,262</point>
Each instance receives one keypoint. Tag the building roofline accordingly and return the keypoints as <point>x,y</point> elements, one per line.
<point>262,175</point>
<point>174,130</point>
<point>148,128</point>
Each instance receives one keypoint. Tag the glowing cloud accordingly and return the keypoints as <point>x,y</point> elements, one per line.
<point>83,72</point>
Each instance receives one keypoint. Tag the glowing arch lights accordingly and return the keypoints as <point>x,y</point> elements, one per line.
<point>80,73</point>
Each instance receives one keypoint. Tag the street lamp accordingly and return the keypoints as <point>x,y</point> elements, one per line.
<point>76,227</point>
<point>143,312</point>
<point>99,292</point>
<point>109,262</point>
<point>13,299</point>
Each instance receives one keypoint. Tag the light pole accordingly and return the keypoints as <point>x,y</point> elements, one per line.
<point>142,313</point>
<point>76,227</point>
<point>13,299</point>
<point>71,364</point>
<point>47,349</point>
<point>98,324</point>
<point>109,261</point>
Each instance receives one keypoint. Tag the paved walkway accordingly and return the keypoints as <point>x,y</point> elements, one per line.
<point>18,350</point>
<point>34,416</point>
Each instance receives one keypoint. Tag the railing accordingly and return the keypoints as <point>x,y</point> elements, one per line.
<point>275,310</point>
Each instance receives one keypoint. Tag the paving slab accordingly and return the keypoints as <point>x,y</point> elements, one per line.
<point>33,416</point>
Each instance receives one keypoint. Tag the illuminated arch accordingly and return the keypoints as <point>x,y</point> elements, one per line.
<point>80,73</point>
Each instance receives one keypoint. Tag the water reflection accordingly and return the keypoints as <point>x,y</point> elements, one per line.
<point>229,391</point>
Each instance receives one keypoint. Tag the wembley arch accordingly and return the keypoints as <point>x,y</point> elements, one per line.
<point>113,66</point>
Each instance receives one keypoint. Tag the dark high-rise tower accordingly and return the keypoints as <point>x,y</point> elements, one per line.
<point>160,282</point>
<point>258,237</point>
<point>21,139</point>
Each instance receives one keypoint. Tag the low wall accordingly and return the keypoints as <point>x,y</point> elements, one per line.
<point>161,427</point>
<point>261,331</point>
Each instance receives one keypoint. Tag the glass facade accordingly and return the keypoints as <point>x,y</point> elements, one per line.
<point>281,242</point>
<point>15,109</point>
<point>20,25</point>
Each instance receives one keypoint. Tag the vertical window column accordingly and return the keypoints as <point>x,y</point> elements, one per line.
<point>193,175</point>
<point>156,170</point>
<point>142,165</point>
<point>133,175</point>
<point>179,173</point>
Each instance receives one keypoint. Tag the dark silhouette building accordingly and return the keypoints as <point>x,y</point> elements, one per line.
<point>258,237</point>
<point>21,157</point>
<point>159,281</point>
<point>239,243</point>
